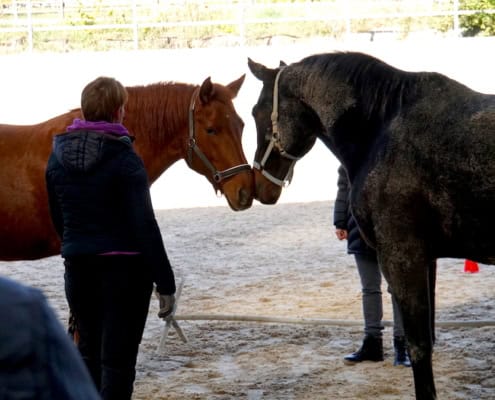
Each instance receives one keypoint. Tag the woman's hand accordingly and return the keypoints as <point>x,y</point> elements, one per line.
<point>341,234</point>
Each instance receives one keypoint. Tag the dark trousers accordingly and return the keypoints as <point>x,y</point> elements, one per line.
<point>371,281</point>
<point>109,296</point>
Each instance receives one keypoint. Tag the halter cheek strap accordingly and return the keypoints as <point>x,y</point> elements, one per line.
<point>274,115</point>
<point>275,143</point>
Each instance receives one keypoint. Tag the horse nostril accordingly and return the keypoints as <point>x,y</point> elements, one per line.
<point>257,190</point>
<point>245,198</point>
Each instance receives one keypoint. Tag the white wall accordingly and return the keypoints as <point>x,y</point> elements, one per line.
<point>39,86</point>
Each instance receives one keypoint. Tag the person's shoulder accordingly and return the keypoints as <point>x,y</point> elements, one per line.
<point>39,356</point>
<point>12,292</point>
<point>18,301</point>
<point>130,161</point>
<point>20,309</point>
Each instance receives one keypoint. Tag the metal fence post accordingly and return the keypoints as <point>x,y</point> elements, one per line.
<point>135,28</point>
<point>242,23</point>
<point>347,16</point>
<point>30,26</point>
<point>456,18</point>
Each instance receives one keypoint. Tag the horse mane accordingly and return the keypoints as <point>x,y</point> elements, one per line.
<point>380,88</point>
<point>162,106</point>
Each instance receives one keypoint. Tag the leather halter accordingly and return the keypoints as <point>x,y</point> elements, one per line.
<point>275,143</point>
<point>218,176</point>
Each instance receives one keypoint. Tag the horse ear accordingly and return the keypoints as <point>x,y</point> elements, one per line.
<point>283,64</point>
<point>206,91</point>
<point>235,86</point>
<point>260,71</point>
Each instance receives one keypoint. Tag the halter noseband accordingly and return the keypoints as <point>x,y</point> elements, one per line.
<point>275,143</point>
<point>218,176</point>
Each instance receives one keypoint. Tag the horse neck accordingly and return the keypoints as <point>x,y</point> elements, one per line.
<point>157,115</point>
<point>356,119</point>
<point>313,89</point>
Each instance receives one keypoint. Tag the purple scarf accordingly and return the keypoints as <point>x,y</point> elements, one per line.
<point>98,126</point>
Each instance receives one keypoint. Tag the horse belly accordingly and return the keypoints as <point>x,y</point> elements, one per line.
<point>470,234</point>
<point>26,239</point>
<point>20,248</point>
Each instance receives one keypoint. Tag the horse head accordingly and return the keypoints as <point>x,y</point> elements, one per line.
<point>215,142</point>
<point>286,130</point>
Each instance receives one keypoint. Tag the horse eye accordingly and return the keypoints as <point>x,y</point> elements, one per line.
<point>211,131</point>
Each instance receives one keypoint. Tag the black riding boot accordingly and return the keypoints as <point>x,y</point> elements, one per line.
<point>401,354</point>
<point>371,350</point>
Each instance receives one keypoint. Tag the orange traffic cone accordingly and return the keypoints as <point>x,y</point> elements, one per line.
<point>471,266</point>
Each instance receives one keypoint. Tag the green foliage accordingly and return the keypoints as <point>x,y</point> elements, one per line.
<point>84,17</point>
<point>480,23</point>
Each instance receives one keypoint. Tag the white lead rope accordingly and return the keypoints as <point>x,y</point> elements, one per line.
<point>318,321</point>
<point>172,322</point>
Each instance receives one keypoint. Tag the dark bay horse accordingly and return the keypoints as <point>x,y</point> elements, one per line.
<point>419,151</point>
<point>170,121</point>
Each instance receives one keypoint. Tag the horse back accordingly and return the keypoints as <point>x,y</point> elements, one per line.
<point>17,140</point>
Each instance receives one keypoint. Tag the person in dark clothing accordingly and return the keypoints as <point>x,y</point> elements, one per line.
<point>37,358</point>
<point>371,279</point>
<point>112,247</point>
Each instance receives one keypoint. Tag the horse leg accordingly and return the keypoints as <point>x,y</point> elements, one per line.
<point>410,280</point>
<point>432,281</point>
<point>72,328</point>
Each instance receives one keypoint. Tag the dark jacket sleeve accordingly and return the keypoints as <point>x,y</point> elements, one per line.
<point>343,218</point>
<point>145,227</point>
<point>341,207</point>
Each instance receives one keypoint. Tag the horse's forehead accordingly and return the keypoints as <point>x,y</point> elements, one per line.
<point>264,100</point>
<point>222,103</point>
<point>222,95</point>
<point>220,111</point>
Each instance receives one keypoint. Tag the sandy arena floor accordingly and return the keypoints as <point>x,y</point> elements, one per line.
<point>284,261</point>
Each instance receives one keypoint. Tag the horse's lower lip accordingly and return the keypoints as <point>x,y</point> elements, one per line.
<point>242,208</point>
<point>241,205</point>
<point>270,202</point>
<point>265,199</point>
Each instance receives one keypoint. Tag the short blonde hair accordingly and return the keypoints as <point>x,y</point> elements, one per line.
<point>102,98</point>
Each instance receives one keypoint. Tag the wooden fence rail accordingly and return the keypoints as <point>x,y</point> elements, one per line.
<point>235,17</point>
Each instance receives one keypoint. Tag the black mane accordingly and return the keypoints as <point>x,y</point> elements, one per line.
<point>380,88</point>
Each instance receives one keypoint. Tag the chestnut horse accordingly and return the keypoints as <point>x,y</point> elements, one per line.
<point>418,149</point>
<point>170,121</point>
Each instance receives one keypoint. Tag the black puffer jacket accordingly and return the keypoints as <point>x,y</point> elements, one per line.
<point>100,201</point>
<point>343,219</point>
